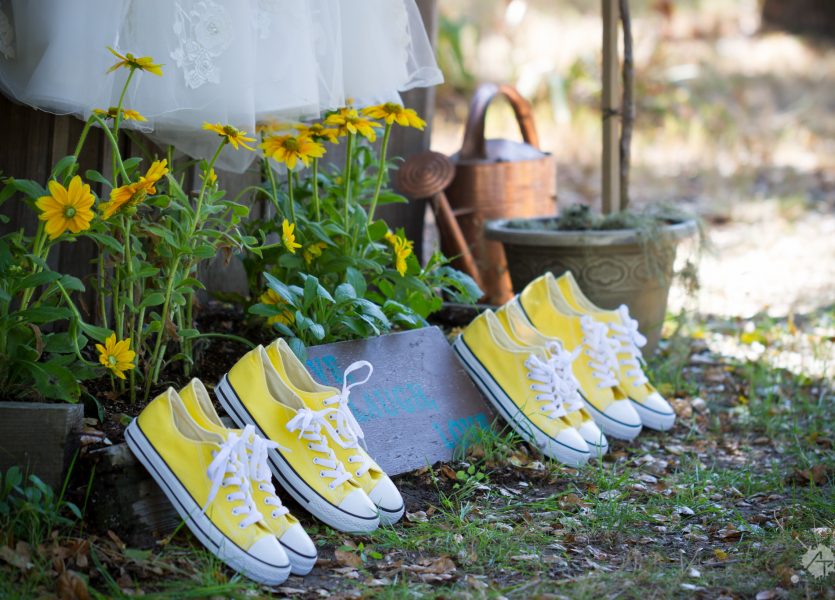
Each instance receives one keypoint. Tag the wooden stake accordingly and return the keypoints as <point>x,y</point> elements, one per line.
<point>611,108</point>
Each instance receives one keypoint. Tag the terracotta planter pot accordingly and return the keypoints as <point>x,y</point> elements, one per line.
<point>612,267</point>
<point>40,438</point>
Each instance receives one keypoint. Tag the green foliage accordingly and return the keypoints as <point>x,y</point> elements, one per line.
<point>351,277</point>
<point>30,509</point>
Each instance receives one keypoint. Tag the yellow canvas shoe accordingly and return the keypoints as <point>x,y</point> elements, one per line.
<point>252,392</point>
<point>291,535</point>
<point>522,386</point>
<point>560,360</point>
<point>349,435</point>
<point>202,474</point>
<point>654,410</point>
<point>596,365</point>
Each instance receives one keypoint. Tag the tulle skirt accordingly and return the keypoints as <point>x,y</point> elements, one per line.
<point>231,61</point>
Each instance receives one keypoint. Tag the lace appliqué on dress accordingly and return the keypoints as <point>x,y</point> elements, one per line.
<point>7,46</point>
<point>203,33</point>
<point>262,17</point>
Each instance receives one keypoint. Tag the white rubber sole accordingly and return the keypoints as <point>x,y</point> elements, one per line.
<point>293,484</point>
<point>200,525</point>
<point>654,419</point>
<point>300,564</point>
<point>612,427</point>
<point>573,457</point>
<point>388,517</point>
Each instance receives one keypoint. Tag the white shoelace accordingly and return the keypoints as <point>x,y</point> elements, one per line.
<point>349,434</point>
<point>229,469</point>
<point>631,341</point>
<point>561,360</point>
<point>557,391</point>
<point>600,349</point>
<point>259,470</point>
<point>309,423</point>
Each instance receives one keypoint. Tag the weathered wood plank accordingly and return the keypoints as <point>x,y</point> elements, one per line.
<point>40,438</point>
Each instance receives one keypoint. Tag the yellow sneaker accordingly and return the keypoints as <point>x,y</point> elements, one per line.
<point>349,434</point>
<point>654,410</point>
<point>596,365</point>
<point>191,464</point>
<point>291,535</point>
<point>560,360</point>
<point>522,386</point>
<point>252,392</point>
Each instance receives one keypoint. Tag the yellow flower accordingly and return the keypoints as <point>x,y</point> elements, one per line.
<point>319,133</point>
<point>278,126</point>
<point>347,120</point>
<point>66,208</point>
<point>288,238</point>
<point>131,194</point>
<point>313,251</point>
<point>127,114</point>
<point>272,298</point>
<point>402,249</point>
<point>288,149</point>
<point>395,113</point>
<point>233,136</point>
<point>211,178</point>
<point>129,61</point>
<point>117,357</point>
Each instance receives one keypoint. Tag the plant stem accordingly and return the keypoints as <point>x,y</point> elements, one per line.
<point>115,145</point>
<point>157,355</point>
<point>347,174</point>
<point>274,197</point>
<point>101,294</point>
<point>37,249</point>
<point>316,189</point>
<point>290,192</point>
<point>81,140</point>
<point>117,120</point>
<point>381,173</point>
<point>627,103</point>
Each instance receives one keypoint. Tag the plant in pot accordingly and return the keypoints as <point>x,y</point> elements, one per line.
<point>620,257</point>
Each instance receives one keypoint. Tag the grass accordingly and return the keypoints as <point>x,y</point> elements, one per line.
<point>725,504</point>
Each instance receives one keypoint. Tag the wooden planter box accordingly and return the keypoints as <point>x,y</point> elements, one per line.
<point>40,438</point>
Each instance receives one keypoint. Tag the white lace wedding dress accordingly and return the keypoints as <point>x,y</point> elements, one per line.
<point>228,61</point>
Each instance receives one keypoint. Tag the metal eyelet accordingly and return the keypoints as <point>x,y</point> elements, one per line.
<point>229,497</point>
<point>358,474</point>
<point>241,525</point>
<point>330,485</point>
<point>321,473</point>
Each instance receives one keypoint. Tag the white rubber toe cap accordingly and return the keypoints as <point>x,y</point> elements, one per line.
<point>595,439</point>
<point>569,448</point>
<point>655,412</point>
<point>361,512</point>
<point>388,499</point>
<point>271,564</point>
<point>620,420</point>
<point>300,549</point>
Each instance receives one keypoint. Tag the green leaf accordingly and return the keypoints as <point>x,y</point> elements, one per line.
<point>71,283</point>
<point>26,186</point>
<point>107,241</point>
<point>152,299</point>
<point>356,279</point>
<point>99,334</point>
<point>343,292</point>
<point>370,309</point>
<point>43,314</point>
<point>93,175</point>
<point>298,348</point>
<point>61,167</point>
<point>388,197</point>
<point>37,279</point>
<point>281,289</point>
<point>378,230</point>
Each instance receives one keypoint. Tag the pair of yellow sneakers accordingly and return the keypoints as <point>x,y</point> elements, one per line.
<point>610,365</point>
<point>320,460</point>
<point>218,481</point>
<point>552,321</point>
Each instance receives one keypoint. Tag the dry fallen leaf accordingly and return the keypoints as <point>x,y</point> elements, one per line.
<point>15,559</point>
<point>417,517</point>
<point>349,559</point>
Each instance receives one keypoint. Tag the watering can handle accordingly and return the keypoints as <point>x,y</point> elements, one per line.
<point>473,146</point>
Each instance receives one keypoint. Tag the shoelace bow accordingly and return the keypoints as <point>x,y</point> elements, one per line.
<point>349,434</point>
<point>553,387</point>
<point>310,423</point>
<point>229,468</point>
<point>259,470</point>
<point>600,349</point>
<point>631,341</point>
